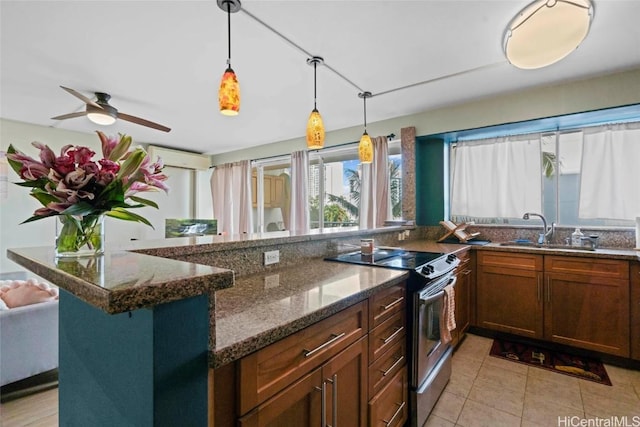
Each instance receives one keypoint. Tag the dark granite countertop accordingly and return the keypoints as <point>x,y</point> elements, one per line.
<point>263,308</point>
<point>121,281</point>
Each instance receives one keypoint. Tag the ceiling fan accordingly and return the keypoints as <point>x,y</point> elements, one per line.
<point>102,113</point>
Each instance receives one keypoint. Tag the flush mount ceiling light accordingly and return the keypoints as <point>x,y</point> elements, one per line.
<point>546,31</point>
<point>315,126</point>
<point>365,148</point>
<point>229,92</point>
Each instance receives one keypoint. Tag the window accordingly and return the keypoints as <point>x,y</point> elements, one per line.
<point>336,173</point>
<point>270,193</point>
<point>334,186</point>
<point>586,175</point>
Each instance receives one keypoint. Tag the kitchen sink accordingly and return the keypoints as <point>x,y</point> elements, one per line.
<point>529,244</point>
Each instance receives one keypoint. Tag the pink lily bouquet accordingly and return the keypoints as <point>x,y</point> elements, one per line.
<point>81,191</point>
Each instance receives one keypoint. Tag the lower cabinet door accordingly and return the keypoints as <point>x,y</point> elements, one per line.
<point>588,312</point>
<point>345,384</point>
<point>390,407</point>
<point>297,405</point>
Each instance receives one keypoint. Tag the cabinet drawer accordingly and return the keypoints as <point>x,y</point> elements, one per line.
<point>390,407</point>
<point>388,364</point>
<point>384,336</point>
<point>386,302</point>
<point>510,260</point>
<point>464,256</point>
<point>593,267</point>
<point>267,371</point>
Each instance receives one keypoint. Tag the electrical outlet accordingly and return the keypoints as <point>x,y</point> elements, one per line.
<point>401,236</point>
<point>271,257</point>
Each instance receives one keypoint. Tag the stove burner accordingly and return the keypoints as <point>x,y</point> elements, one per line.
<point>429,265</point>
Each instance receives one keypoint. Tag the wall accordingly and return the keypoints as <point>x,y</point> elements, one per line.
<point>584,95</point>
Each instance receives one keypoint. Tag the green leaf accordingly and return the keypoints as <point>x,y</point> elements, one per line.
<point>36,183</point>
<point>146,202</point>
<point>80,209</point>
<point>37,217</point>
<point>128,216</point>
<point>16,166</point>
<point>44,197</point>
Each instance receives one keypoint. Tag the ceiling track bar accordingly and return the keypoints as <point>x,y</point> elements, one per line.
<point>448,76</point>
<point>300,48</point>
<point>337,73</point>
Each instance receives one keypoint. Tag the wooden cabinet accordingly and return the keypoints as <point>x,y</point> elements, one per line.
<point>586,303</point>
<point>509,293</point>
<point>334,394</point>
<point>323,374</point>
<point>274,191</point>
<point>635,310</point>
<point>388,388</point>
<point>266,372</point>
<point>299,404</point>
<point>389,408</point>
<point>577,301</point>
<point>463,288</point>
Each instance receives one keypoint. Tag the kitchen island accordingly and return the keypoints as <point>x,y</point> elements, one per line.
<point>134,336</point>
<point>138,332</point>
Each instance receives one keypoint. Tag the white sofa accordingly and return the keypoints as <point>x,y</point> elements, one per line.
<point>28,341</point>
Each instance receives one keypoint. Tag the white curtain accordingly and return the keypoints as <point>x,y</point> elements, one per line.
<point>299,216</point>
<point>609,178</point>
<point>231,195</point>
<point>497,177</point>
<point>375,197</point>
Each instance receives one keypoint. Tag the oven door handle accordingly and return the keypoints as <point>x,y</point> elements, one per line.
<point>427,300</point>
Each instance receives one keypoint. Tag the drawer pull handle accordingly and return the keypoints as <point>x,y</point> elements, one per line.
<point>393,335</point>
<point>398,361</point>
<point>398,411</point>
<point>388,306</point>
<point>333,339</point>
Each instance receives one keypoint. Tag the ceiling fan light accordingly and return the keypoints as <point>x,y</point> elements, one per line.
<point>101,118</point>
<point>546,31</point>
<point>315,131</point>
<point>365,149</point>
<point>229,93</point>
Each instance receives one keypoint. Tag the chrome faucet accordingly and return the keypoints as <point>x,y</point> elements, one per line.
<point>547,234</point>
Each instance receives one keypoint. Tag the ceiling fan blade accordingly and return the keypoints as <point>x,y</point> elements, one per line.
<point>69,116</point>
<point>82,97</point>
<point>143,122</point>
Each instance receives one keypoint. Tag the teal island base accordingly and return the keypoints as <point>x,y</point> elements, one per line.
<point>146,367</point>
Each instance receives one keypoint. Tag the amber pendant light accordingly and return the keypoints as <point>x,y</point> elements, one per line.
<point>315,126</point>
<point>229,92</point>
<point>365,148</point>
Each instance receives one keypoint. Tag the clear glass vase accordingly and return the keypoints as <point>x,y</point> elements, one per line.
<point>79,236</point>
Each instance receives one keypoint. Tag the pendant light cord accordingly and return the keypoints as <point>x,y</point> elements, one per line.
<point>229,32</point>
<point>365,112</point>
<point>315,64</point>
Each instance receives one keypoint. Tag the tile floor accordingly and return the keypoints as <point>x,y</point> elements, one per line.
<point>488,391</point>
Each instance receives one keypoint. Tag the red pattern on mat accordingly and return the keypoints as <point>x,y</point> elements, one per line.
<point>562,363</point>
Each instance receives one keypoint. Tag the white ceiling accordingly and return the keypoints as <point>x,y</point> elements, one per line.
<point>162,61</point>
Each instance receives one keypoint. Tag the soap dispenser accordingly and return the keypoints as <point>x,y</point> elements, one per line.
<point>576,237</point>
